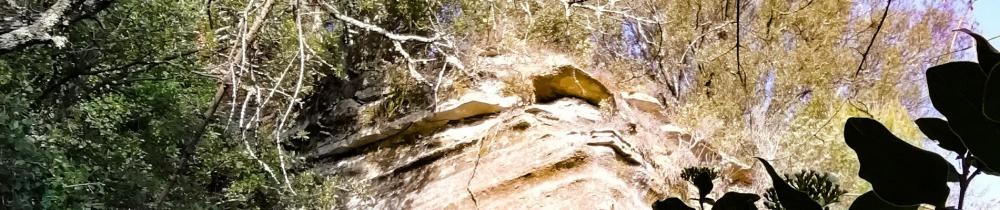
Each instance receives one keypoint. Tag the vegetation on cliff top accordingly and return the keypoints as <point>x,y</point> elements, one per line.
<point>190,103</point>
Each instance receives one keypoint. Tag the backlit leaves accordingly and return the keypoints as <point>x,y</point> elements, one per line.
<point>789,197</point>
<point>871,201</point>
<point>938,130</point>
<point>899,172</point>
<point>957,90</point>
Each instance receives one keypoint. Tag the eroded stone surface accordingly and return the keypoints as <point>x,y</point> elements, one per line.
<point>569,110</point>
<point>482,152</point>
<point>559,155</point>
<point>643,102</point>
<point>471,105</point>
<point>368,135</point>
<point>569,81</point>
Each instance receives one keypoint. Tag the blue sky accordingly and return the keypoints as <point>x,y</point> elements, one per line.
<point>987,14</point>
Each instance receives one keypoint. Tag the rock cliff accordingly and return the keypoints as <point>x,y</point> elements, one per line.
<point>568,143</point>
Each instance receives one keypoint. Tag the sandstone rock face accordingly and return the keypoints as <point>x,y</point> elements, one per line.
<point>569,81</point>
<point>559,156</point>
<point>482,150</point>
<point>643,102</point>
<point>472,104</point>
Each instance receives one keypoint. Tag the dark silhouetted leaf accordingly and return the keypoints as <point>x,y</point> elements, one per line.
<point>701,177</point>
<point>989,61</point>
<point>789,197</point>
<point>736,201</point>
<point>991,98</point>
<point>956,90</point>
<point>938,130</point>
<point>871,201</point>
<point>979,164</point>
<point>987,55</point>
<point>671,204</point>
<point>899,172</point>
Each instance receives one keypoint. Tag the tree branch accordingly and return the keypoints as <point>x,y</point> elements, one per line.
<point>374,28</point>
<point>60,13</point>
<point>877,29</point>
<point>39,30</point>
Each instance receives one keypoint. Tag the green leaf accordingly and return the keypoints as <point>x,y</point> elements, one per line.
<point>938,130</point>
<point>987,55</point>
<point>671,204</point>
<point>736,201</point>
<point>899,172</point>
<point>871,201</point>
<point>788,196</point>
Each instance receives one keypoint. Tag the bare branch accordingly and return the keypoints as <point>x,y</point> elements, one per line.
<point>598,10</point>
<point>39,30</point>
<point>398,40</point>
<point>16,34</point>
<point>374,28</point>
<point>879,28</point>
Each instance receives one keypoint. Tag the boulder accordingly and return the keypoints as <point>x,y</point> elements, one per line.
<point>643,102</point>
<point>569,81</point>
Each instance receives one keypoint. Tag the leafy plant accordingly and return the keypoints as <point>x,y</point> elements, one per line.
<point>870,200</point>
<point>968,94</point>
<point>702,177</point>
<point>904,176</point>
<point>900,173</point>
<point>789,197</point>
<point>819,186</point>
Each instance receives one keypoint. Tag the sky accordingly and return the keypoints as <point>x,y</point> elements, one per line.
<point>986,13</point>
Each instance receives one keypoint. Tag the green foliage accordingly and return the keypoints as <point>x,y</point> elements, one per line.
<point>96,124</point>
<point>821,187</point>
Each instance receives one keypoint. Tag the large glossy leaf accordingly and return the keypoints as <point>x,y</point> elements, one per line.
<point>671,204</point>
<point>956,90</point>
<point>736,201</point>
<point>788,196</point>
<point>938,130</point>
<point>899,172</point>
<point>987,55</point>
<point>871,201</point>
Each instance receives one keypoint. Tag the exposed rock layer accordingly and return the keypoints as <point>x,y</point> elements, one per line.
<point>479,150</point>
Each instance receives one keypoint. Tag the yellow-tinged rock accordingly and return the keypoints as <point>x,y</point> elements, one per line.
<point>569,81</point>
